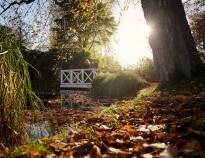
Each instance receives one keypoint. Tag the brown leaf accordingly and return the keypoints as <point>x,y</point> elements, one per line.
<point>181,98</point>
<point>32,152</point>
<point>170,152</point>
<point>193,145</point>
<point>99,134</point>
<point>161,136</point>
<point>158,145</point>
<point>59,147</point>
<point>104,128</point>
<point>181,143</point>
<point>129,129</point>
<point>94,120</point>
<point>139,147</point>
<point>108,139</point>
<point>79,135</point>
<point>117,151</point>
<point>95,152</point>
<point>82,150</point>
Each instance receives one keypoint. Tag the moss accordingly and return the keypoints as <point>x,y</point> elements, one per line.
<point>28,150</point>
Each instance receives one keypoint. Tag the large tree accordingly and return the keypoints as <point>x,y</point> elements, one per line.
<point>173,46</point>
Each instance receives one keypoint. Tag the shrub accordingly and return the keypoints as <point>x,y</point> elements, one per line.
<point>48,65</point>
<point>118,85</point>
<point>146,70</point>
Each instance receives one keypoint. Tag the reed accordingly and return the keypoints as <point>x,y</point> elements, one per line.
<point>15,90</point>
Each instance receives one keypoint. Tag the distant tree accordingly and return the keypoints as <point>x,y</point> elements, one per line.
<point>108,63</point>
<point>82,25</point>
<point>174,51</point>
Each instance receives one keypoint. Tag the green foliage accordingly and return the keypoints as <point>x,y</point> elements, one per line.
<point>108,63</point>
<point>46,80</point>
<point>82,26</point>
<point>29,150</point>
<point>138,103</point>
<point>15,89</point>
<point>119,85</point>
<point>146,70</point>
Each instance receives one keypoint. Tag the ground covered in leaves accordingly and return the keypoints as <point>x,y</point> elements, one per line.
<point>169,123</point>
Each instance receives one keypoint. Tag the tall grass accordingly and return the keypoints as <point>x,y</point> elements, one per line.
<point>146,70</point>
<point>15,90</point>
<point>117,85</point>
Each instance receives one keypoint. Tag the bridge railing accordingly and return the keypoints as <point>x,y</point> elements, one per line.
<point>77,78</point>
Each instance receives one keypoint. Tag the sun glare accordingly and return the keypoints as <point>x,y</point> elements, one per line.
<point>132,38</point>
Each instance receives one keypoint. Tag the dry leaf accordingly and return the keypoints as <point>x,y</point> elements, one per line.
<point>32,152</point>
<point>95,152</point>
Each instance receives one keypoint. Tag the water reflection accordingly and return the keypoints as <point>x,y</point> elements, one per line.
<point>76,99</point>
<point>39,130</point>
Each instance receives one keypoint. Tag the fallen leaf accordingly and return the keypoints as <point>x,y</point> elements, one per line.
<point>32,152</point>
<point>139,147</point>
<point>181,98</point>
<point>129,130</point>
<point>161,136</point>
<point>158,145</point>
<point>82,150</point>
<point>95,152</point>
<point>117,151</point>
<point>99,133</point>
<point>147,155</point>
<point>59,147</point>
<point>104,128</point>
<point>193,145</point>
<point>136,138</point>
<point>170,152</point>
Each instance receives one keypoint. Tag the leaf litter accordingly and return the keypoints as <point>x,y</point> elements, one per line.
<point>173,125</point>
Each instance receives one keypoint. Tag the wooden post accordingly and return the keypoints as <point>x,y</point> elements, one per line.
<point>62,76</point>
<point>82,71</point>
<point>71,75</point>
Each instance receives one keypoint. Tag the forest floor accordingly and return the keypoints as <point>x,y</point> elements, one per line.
<point>168,123</point>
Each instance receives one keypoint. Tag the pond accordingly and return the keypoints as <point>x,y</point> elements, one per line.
<point>39,130</point>
<point>76,100</point>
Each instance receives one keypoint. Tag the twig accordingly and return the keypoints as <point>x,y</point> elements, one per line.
<point>18,3</point>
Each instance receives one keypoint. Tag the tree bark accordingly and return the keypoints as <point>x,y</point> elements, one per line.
<point>174,52</point>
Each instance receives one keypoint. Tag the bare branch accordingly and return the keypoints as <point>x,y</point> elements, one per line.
<point>16,3</point>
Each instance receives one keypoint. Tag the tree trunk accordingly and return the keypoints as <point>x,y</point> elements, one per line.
<point>174,52</point>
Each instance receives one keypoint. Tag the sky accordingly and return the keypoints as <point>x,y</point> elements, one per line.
<point>129,44</point>
<point>131,39</point>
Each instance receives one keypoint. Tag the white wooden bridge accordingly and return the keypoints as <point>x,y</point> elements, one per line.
<point>77,78</point>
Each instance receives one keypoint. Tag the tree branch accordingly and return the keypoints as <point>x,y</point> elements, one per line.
<point>18,3</point>
<point>61,2</point>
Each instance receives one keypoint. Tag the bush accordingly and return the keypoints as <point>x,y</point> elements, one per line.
<point>122,84</point>
<point>48,64</point>
<point>146,70</point>
<point>45,81</point>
